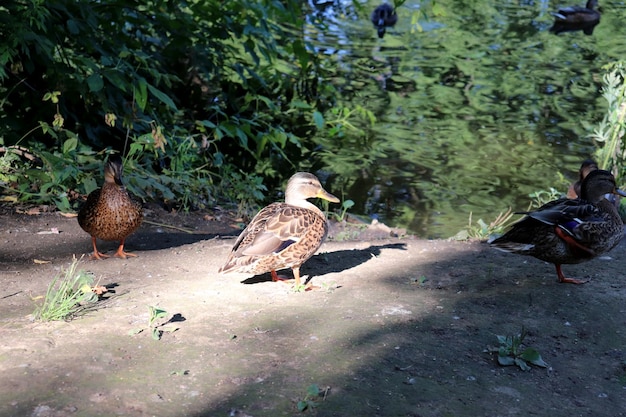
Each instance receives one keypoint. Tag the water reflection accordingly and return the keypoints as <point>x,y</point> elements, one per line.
<point>477,106</point>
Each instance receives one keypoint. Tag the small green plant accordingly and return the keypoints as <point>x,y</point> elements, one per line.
<point>345,206</point>
<point>299,288</point>
<point>156,329</point>
<point>482,230</point>
<point>67,295</point>
<point>512,352</point>
<point>312,398</point>
<point>541,197</point>
<point>611,152</point>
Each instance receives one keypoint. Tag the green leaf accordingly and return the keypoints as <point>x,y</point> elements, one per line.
<point>135,331</point>
<point>313,390</point>
<point>522,364</point>
<point>318,119</point>
<point>70,145</point>
<point>116,78</point>
<point>506,360</point>
<point>141,94</point>
<point>157,313</point>
<point>164,98</point>
<point>299,50</point>
<point>531,355</point>
<point>89,185</point>
<point>302,405</point>
<point>95,83</point>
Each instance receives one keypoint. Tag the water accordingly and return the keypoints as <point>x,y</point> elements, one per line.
<point>477,106</point>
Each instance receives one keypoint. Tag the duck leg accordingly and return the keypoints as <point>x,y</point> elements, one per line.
<point>296,275</point>
<point>565,280</point>
<point>120,251</point>
<point>575,246</point>
<point>296,279</point>
<point>281,278</point>
<point>96,254</point>
<point>276,277</point>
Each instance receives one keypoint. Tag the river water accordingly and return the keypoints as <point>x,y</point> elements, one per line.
<point>476,103</point>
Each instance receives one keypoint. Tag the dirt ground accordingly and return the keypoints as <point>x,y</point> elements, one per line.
<point>398,327</point>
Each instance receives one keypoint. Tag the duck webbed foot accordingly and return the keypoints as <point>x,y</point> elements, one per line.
<point>563,279</point>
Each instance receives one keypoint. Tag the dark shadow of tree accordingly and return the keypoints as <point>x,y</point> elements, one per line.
<point>440,364</point>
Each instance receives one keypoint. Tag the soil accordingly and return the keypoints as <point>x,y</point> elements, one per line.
<point>397,327</point>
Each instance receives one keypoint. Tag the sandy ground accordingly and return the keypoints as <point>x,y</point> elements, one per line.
<point>398,327</point>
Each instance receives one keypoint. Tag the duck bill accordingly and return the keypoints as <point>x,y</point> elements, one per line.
<point>619,192</point>
<point>328,196</point>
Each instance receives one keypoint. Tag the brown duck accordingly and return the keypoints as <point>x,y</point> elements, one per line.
<point>109,212</point>
<point>283,235</point>
<point>586,167</point>
<point>567,231</point>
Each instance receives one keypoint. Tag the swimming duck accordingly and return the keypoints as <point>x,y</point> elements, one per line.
<point>109,212</point>
<point>566,231</point>
<point>574,18</point>
<point>586,167</point>
<point>283,235</point>
<point>384,16</point>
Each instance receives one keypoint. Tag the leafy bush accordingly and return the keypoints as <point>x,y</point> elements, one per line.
<point>189,91</point>
<point>612,153</point>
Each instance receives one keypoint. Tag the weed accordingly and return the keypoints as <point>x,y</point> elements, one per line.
<point>345,206</point>
<point>68,293</point>
<point>512,352</point>
<point>156,330</point>
<point>482,230</point>
<point>541,197</point>
<point>610,131</point>
<point>310,400</point>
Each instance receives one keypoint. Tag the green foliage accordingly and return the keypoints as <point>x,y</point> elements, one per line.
<point>190,91</point>
<point>313,394</point>
<point>69,291</point>
<point>482,230</point>
<point>156,329</point>
<point>345,206</point>
<point>8,164</point>
<point>612,154</point>
<point>512,352</point>
<point>541,197</point>
<point>245,189</point>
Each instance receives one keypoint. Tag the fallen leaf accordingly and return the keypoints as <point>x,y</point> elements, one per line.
<point>68,214</point>
<point>39,261</point>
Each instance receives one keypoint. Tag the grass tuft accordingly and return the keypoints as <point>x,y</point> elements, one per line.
<point>67,294</point>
